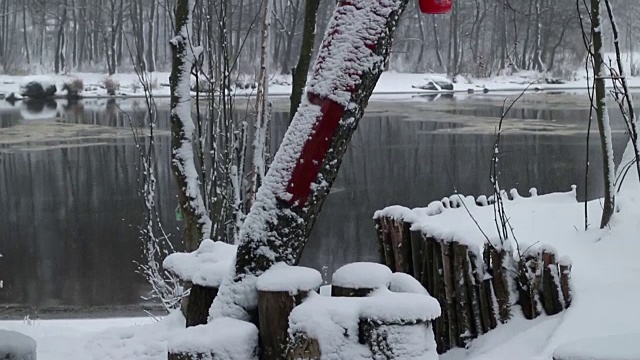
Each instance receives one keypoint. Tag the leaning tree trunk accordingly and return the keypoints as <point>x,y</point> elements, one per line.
<point>599,73</point>
<point>197,224</point>
<point>301,71</point>
<point>351,59</point>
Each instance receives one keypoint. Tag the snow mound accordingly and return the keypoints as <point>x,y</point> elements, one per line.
<point>405,283</point>
<point>206,266</point>
<point>362,275</point>
<point>613,347</point>
<point>282,277</point>
<point>224,338</point>
<point>16,346</point>
<point>335,323</point>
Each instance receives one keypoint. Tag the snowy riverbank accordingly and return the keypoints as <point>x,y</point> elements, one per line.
<point>390,84</point>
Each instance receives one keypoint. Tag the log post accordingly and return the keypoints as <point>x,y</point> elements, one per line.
<point>528,281</point>
<point>462,296</point>
<point>501,289</point>
<point>380,237</point>
<point>550,284</point>
<point>417,254</point>
<point>485,308</point>
<point>441,324</point>
<point>565,280</point>
<point>487,285</point>
<point>280,289</point>
<point>387,244</point>
<point>402,260</point>
<point>200,300</point>
<point>407,247</point>
<point>473,289</point>
<point>448,306</point>
<point>274,308</point>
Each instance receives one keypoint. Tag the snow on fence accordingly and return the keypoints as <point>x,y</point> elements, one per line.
<point>471,279</point>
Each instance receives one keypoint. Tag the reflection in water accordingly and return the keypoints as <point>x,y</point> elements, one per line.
<point>69,230</point>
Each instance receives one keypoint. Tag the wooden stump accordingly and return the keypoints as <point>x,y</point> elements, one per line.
<point>500,286</point>
<point>449,305</point>
<point>550,284</point>
<point>387,244</point>
<point>274,309</point>
<point>417,253</point>
<point>461,293</point>
<point>302,347</point>
<point>381,253</point>
<point>565,276</point>
<point>200,300</point>
<point>349,292</point>
<point>528,282</point>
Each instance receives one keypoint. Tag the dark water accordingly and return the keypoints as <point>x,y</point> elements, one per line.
<point>70,211</point>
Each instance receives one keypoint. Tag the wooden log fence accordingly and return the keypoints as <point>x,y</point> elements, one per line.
<point>473,289</point>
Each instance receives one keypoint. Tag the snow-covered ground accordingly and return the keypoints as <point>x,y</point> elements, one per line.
<point>604,292</point>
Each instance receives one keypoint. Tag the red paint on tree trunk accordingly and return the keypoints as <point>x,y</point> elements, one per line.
<point>435,6</point>
<point>314,150</point>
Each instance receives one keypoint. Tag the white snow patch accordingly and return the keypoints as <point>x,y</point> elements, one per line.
<point>612,347</point>
<point>282,277</point>
<point>21,346</point>
<point>362,275</point>
<point>206,266</point>
<point>405,283</point>
<point>223,338</point>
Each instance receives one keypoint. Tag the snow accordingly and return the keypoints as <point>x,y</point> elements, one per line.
<point>206,266</point>
<point>362,275</point>
<point>19,346</point>
<point>223,338</point>
<point>612,347</point>
<point>334,322</point>
<point>405,283</point>
<point>604,270</point>
<point>44,80</point>
<point>282,277</point>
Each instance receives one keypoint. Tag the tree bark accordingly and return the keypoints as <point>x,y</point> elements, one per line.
<point>307,162</point>
<point>599,72</point>
<point>301,71</point>
<point>196,222</point>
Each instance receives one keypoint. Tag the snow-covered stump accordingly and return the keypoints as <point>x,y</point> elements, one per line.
<point>16,346</point>
<point>280,290</point>
<point>383,325</point>
<point>204,269</point>
<point>359,279</point>
<point>221,339</point>
<point>551,288</point>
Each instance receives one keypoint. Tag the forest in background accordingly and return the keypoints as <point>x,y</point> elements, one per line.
<point>479,38</point>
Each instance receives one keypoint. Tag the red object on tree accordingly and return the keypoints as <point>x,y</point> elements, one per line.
<point>435,6</point>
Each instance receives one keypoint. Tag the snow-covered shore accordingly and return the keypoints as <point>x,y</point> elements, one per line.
<point>390,84</point>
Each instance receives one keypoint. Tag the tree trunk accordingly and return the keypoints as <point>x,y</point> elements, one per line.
<point>599,71</point>
<point>310,155</point>
<point>151,60</point>
<point>301,70</point>
<point>196,222</point>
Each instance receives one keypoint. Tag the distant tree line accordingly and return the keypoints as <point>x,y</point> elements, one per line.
<point>479,37</point>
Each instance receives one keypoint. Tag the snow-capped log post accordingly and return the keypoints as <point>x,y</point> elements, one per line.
<point>204,269</point>
<point>280,289</point>
<point>359,279</point>
<point>351,59</point>
<point>197,224</point>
